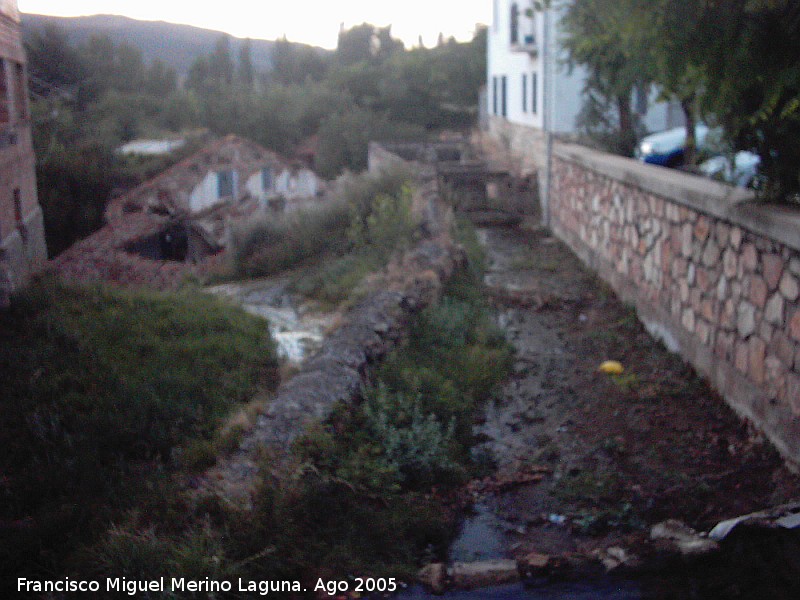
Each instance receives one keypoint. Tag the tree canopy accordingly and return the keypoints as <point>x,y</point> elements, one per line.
<point>731,63</point>
<point>95,96</point>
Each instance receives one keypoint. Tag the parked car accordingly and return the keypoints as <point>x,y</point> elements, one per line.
<point>742,171</point>
<point>666,148</point>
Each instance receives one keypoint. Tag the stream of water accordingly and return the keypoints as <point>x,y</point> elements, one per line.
<point>481,538</point>
<point>297,331</point>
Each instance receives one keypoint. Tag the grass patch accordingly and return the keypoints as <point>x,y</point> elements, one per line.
<point>355,234</point>
<point>103,388</point>
<point>388,228</point>
<point>411,435</point>
<point>366,493</point>
<point>276,243</point>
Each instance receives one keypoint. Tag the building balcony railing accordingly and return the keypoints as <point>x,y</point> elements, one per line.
<point>526,44</point>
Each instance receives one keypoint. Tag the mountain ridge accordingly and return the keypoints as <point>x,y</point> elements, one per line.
<point>176,45</point>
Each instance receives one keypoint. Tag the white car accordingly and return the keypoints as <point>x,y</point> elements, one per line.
<point>742,171</point>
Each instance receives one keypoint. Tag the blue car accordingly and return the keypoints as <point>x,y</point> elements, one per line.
<point>666,148</point>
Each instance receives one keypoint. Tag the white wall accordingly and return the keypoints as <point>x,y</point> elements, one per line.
<point>255,185</point>
<point>205,194</point>
<point>559,88</point>
<point>307,183</point>
<point>289,183</point>
<point>502,61</point>
<point>302,183</point>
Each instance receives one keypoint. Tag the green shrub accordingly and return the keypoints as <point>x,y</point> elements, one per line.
<point>276,243</point>
<point>377,229</point>
<point>416,445</point>
<point>360,191</point>
<point>465,234</point>
<point>102,384</point>
<point>388,228</point>
<point>356,234</point>
<point>338,279</point>
<point>136,555</point>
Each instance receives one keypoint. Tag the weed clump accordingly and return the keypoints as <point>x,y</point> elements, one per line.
<point>101,388</point>
<point>276,243</point>
<point>411,435</point>
<point>355,234</point>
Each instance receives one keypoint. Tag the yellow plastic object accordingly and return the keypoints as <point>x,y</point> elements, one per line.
<point>612,367</point>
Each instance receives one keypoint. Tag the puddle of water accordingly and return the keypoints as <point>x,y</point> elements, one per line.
<point>480,538</point>
<point>297,335</point>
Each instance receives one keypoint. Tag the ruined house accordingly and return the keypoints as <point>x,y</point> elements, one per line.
<point>178,222</point>
<point>22,244</point>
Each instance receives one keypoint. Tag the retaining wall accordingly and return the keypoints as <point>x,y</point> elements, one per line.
<point>369,330</point>
<point>712,272</point>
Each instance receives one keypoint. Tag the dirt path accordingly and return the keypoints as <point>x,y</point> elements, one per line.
<point>588,461</point>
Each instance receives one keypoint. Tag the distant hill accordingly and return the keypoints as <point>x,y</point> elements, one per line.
<point>176,45</point>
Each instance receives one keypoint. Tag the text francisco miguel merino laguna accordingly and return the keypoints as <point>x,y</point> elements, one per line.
<point>170,584</point>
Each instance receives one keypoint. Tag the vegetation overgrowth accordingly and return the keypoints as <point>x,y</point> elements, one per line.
<point>728,63</point>
<point>368,220</point>
<point>103,391</point>
<point>369,491</point>
<point>95,96</point>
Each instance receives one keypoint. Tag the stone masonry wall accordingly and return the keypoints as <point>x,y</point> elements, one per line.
<point>22,244</point>
<point>711,272</point>
<point>525,146</point>
<point>369,330</point>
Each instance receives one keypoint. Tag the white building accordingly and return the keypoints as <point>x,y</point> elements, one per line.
<point>292,183</point>
<point>528,82</point>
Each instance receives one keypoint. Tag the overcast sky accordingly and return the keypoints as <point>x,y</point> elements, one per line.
<point>311,21</point>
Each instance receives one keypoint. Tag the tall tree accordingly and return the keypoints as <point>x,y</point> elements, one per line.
<point>297,63</point>
<point>672,36</point>
<point>160,80</point>
<point>753,84</point>
<point>220,64</point>
<point>52,59</point>
<point>129,69</point>
<point>595,38</point>
<point>245,71</point>
<point>356,44</point>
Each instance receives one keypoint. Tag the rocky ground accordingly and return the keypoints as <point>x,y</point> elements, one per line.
<point>587,462</point>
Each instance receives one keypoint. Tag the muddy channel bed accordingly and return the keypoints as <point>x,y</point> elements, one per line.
<point>588,461</point>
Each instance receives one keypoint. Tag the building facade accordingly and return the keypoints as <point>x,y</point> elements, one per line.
<point>529,84</point>
<point>22,245</point>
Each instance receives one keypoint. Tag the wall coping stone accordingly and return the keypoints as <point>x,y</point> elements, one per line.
<point>739,206</point>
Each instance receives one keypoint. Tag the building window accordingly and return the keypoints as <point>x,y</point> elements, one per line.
<point>504,95</point>
<point>17,206</point>
<point>534,94</point>
<point>514,23</point>
<point>4,112</point>
<point>20,93</point>
<point>524,92</point>
<point>225,184</point>
<point>495,15</point>
<point>266,178</point>
<point>494,96</point>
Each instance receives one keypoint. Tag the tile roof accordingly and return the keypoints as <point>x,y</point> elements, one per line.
<point>152,207</point>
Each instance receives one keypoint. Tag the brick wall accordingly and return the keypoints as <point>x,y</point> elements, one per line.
<point>22,244</point>
<point>713,273</point>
